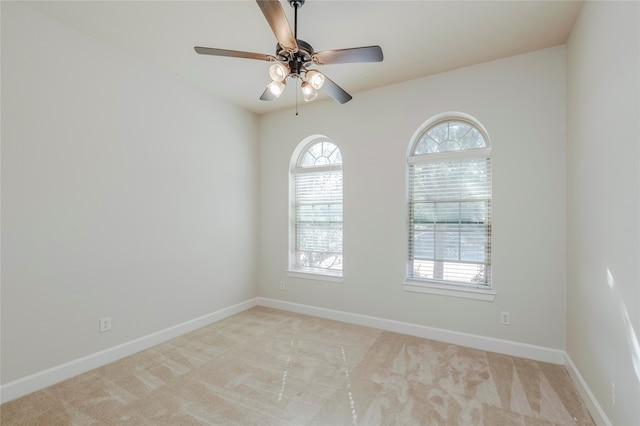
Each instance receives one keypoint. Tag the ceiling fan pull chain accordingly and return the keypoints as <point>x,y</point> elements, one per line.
<point>296,98</point>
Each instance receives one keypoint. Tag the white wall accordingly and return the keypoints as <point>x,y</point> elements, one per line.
<point>119,198</point>
<point>125,193</point>
<point>603,205</point>
<point>521,102</point>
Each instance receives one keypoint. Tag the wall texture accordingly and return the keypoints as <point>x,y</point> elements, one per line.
<point>521,102</point>
<point>603,204</point>
<point>125,193</point>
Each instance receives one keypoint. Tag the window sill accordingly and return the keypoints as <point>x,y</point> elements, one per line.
<point>444,290</point>
<point>317,277</point>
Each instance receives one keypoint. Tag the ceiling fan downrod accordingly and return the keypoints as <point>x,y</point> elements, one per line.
<point>295,4</point>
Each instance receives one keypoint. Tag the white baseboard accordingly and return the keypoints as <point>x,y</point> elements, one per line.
<point>523,350</point>
<point>51,376</point>
<point>596,411</point>
<point>40,380</point>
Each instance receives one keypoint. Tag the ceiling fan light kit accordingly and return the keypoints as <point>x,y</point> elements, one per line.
<point>276,88</point>
<point>278,71</point>
<point>308,92</point>
<point>294,56</point>
<point>315,79</point>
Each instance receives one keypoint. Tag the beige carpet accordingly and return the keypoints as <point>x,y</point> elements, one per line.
<point>269,367</point>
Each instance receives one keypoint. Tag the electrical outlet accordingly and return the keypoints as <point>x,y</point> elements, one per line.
<point>505,318</point>
<point>105,324</point>
<point>282,287</point>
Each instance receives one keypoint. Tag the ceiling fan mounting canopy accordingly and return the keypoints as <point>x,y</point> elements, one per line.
<point>297,55</point>
<point>296,4</point>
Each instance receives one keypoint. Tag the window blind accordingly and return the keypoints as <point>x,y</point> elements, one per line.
<point>450,219</point>
<point>318,220</point>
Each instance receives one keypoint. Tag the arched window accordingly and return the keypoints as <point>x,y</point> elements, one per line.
<point>316,208</point>
<point>449,202</point>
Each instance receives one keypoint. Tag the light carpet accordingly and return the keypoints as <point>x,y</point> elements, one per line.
<point>270,367</point>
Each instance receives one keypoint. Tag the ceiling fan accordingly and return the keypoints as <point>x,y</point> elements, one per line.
<point>293,57</point>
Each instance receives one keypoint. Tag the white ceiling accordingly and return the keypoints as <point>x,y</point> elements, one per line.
<point>418,38</point>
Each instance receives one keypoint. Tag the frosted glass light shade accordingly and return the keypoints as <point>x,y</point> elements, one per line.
<point>278,71</point>
<point>308,93</point>
<point>315,79</point>
<point>276,88</point>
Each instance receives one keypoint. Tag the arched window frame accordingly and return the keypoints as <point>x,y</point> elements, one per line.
<point>435,265</point>
<point>319,187</point>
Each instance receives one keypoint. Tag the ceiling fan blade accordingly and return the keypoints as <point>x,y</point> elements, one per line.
<point>267,95</point>
<point>344,56</point>
<point>233,53</point>
<point>335,91</point>
<point>274,13</point>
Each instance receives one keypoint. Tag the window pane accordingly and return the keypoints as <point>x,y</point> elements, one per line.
<point>473,240</point>
<point>423,213</point>
<point>447,245</point>
<point>423,242</point>
<point>439,133</point>
<point>447,213</point>
<point>319,262</point>
<point>474,212</point>
<point>307,160</point>
<point>464,273</point>
<point>457,130</point>
<point>472,140</point>
<point>425,145</point>
<point>319,237</point>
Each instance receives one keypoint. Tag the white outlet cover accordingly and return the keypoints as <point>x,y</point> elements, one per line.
<point>105,324</point>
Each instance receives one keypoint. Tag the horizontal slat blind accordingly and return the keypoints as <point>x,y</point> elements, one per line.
<point>318,221</point>
<point>449,221</point>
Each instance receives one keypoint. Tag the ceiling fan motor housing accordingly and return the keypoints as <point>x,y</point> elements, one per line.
<point>297,61</point>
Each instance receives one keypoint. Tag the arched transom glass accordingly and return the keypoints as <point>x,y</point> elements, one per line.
<point>449,136</point>
<point>322,153</point>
